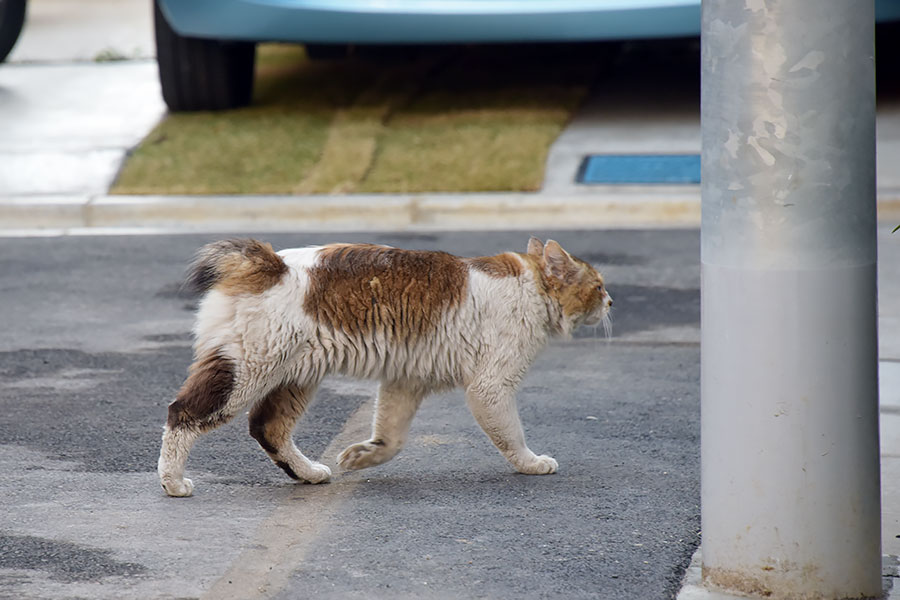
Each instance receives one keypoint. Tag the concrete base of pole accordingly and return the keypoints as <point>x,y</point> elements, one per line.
<point>692,587</point>
<point>790,432</point>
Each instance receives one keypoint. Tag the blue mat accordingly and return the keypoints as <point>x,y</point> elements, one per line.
<point>640,168</point>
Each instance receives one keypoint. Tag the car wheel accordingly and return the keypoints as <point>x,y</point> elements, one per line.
<point>12,17</point>
<point>201,74</point>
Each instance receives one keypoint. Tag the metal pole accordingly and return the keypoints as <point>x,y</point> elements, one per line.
<point>790,459</point>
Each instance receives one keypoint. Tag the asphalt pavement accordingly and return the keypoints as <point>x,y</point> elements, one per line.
<point>97,342</point>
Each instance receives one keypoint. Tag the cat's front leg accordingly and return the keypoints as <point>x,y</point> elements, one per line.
<point>494,408</point>
<point>395,407</point>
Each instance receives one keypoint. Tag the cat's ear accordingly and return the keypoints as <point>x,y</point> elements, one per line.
<point>557,261</point>
<point>535,247</point>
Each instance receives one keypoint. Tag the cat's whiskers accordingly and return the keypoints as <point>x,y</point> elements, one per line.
<point>607,325</point>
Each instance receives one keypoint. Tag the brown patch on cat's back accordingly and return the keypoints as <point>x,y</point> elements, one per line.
<point>363,288</point>
<point>507,264</point>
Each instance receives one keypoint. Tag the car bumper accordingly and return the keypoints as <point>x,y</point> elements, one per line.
<point>432,21</point>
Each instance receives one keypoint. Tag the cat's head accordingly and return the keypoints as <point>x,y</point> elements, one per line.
<point>575,285</point>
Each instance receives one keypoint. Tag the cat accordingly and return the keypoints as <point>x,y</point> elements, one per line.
<point>271,326</point>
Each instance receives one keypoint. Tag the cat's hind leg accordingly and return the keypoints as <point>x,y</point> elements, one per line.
<point>395,408</point>
<point>206,400</point>
<point>494,408</point>
<point>272,422</point>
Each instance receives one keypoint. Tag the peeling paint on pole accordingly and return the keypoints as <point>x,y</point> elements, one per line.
<point>790,490</point>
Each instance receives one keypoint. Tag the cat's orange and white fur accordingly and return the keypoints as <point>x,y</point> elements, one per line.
<point>272,325</point>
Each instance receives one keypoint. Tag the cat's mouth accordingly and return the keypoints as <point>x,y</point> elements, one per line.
<point>592,320</point>
<point>600,317</point>
<point>595,318</point>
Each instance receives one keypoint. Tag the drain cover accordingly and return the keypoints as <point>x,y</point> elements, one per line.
<point>639,168</point>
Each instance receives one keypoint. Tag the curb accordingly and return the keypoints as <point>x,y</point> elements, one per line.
<point>609,207</point>
<point>598,207</point>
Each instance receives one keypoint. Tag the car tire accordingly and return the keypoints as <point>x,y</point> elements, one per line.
<point>200,74</point>
<point>12,18</point>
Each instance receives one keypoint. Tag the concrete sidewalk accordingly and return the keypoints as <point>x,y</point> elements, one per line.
<point>62,31</point>
<point>71,107</point>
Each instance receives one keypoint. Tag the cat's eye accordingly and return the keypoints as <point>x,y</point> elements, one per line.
<point>600,288</point>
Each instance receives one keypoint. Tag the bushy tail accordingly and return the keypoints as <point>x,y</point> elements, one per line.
<point>236,266</point>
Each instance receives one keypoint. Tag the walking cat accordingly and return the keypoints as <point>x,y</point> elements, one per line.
<point>272,325</point>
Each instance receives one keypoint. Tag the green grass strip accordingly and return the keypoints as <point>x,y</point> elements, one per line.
<point>453,120</point>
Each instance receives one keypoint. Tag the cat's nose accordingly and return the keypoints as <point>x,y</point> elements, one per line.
<point>610,300</point>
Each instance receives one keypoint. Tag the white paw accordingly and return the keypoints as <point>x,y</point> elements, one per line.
<point>178,489</point>
<point>360,456</point>
<point>318,473</point>
<point>541,465</point>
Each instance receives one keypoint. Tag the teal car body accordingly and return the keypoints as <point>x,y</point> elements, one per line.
<point>441,21</point>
